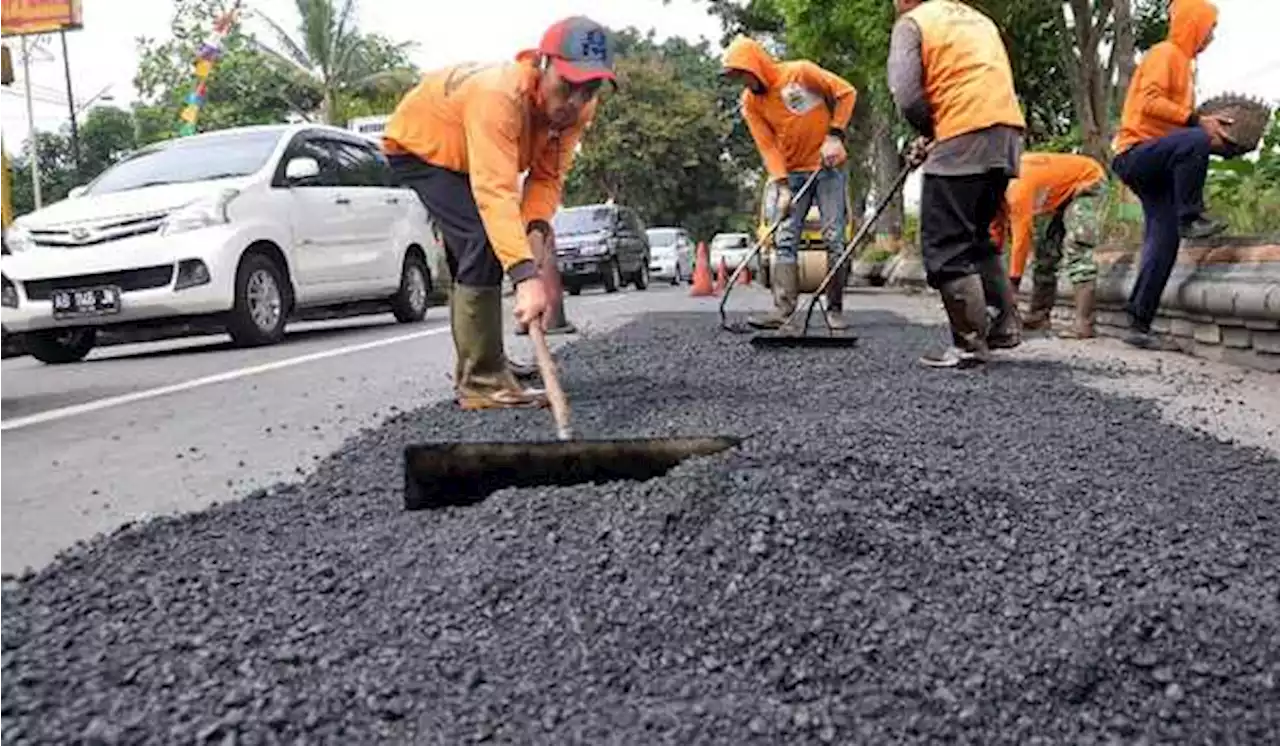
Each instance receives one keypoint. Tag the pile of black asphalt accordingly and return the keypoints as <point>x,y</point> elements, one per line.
<point>893,555</point>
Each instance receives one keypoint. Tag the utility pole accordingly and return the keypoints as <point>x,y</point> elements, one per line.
<point>71,105</point>
<point>31,123</point>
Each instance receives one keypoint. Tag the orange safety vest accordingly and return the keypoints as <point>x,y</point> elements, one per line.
<point>967,77</point>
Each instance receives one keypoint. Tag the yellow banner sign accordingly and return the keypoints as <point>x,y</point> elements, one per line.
<point>19,17</point>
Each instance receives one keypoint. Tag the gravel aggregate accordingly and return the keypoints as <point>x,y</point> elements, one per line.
<point>894,555</point>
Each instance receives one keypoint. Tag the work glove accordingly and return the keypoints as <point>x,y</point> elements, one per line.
<point>917,152</point>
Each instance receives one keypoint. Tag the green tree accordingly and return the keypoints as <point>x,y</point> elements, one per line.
<point>245,86</point>
<point>659,145</point>
<point>337,60</point>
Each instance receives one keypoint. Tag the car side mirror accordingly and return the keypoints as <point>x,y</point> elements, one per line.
<point>76,191</point>
<point>301,169</point>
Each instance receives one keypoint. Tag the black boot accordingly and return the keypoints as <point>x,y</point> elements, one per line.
<point>1006,328</point>
<point>967,313</point>
<point>835,300</point>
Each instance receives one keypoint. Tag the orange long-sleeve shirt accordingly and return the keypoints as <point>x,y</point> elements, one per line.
<point>483,120</point>
<point>791,118</point>
<point>1046,182</point>
<point>1161,95</point>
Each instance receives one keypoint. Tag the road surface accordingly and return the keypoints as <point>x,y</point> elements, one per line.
<point>164,427</point>
<point>1075,546</point>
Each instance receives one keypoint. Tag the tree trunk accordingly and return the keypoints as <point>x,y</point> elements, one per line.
<point>887,165</point>
<point>1125,51</point>
<point>1091,87</point>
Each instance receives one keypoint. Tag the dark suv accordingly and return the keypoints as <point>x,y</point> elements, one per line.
<point>603,244</point>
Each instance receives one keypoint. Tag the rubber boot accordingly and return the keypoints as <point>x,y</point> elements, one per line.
<point>1039,314</point>
<point>786,281</point>
<point>1006,328</point>
<point>835,300</point>
<point>482,375</point>
<point>1082,325</point>
<point>966,307</point>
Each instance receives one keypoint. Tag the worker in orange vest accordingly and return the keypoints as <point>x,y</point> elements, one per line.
<point>1162,153</point>
<point>1067,194</point>
<point>797,113</point>
<point>460,139</point>
<point>950,78</point>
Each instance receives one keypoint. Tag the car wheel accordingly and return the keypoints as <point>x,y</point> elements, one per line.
<point>642,275</point>
<point>573,288</point>
<point>60,346</point>
<point>612,277</point>
<point>258,316</point>
<point>410,302</point>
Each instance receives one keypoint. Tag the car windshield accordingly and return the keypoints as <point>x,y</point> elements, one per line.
<point>582,220</point>
<point>185,160</point>
<point>662,237</point>
<point>729,241</point>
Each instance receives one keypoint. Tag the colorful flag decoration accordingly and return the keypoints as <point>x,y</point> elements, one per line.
<point>210,51</point>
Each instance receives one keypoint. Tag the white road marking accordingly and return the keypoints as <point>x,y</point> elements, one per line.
<point>52,415</point>
<point>75,410</point>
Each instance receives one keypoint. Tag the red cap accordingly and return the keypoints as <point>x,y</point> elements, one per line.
<point>580,50</point>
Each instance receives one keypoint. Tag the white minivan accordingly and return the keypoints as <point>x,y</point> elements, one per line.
<point>244,228</point>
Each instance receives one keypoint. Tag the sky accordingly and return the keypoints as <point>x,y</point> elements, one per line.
<point>1245,56</point>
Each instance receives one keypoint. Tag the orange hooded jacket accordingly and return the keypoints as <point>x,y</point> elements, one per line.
<point>1046,182</point>
<point>483,120</point>
<point>791,119</point>
<point>1161,96</point>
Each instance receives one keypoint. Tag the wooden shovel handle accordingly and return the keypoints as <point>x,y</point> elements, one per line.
<point>555,394</point>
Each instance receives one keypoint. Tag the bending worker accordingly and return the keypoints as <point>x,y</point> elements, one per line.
<point>1066,194</point>
<point>950,77</point>
<point>461,138</point>
<point>797,113</point>
<point>1162,153</point>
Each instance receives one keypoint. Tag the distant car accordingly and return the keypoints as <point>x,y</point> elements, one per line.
<point>670,254</point>
<point>601,244</point>
<point>242,229</point>
<point>733,248</point>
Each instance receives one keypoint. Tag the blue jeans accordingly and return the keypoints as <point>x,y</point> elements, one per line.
<point>830,189</point>
<point>1168,175</point>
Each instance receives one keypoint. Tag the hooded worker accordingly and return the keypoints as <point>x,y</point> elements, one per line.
<point>797,113</point>
<point>461,138</point>
<point>1162,153</point>
<point>1066,194</point>
<point>950,77</point>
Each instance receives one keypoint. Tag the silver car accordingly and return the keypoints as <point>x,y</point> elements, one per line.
<point>670,254</point>
<point>733,248</point>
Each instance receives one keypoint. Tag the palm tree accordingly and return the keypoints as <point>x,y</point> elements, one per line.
<point>336,58</point>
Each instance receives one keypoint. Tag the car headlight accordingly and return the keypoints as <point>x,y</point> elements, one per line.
<point>203,213</point>
<point>18,239</point>
<point>595,250</point>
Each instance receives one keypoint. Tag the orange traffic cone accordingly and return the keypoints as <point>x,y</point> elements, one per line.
<point>701,273</point>
<point>721,276</point>
<point>745,277</point>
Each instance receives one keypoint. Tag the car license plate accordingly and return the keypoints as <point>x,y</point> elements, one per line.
<point>99,301</point>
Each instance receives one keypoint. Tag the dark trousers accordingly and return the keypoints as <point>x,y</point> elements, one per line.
<point>955,223</point>
<point>447,196</point>
<point>1168,176</point>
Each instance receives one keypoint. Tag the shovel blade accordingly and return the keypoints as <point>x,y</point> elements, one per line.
<point>813,341</point>
<point>443,474</point>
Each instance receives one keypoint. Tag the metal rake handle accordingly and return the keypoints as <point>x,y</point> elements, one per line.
<point>853,245</point>
<point>733,278</point>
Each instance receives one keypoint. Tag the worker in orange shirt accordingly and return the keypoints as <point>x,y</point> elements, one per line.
<point>797,113</point>
<point>1162,153</point>
<point>1067,195</point>
<point>950,78</point>
<point>460,139</point>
